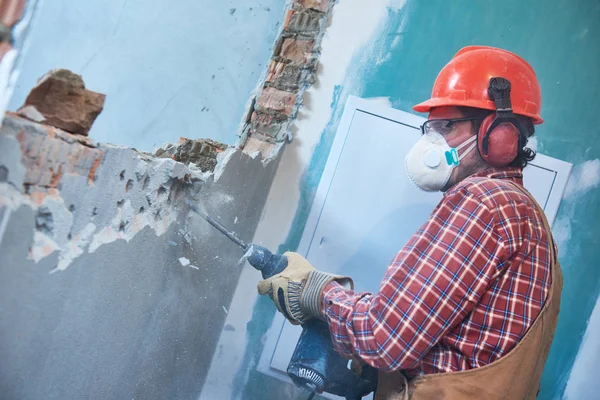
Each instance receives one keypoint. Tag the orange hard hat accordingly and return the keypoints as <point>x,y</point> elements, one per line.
<point>465,80</point>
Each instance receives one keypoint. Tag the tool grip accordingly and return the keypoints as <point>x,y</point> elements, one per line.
<point>267,263</point>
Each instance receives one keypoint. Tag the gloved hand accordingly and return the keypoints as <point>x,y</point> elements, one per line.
<point>298,290</point>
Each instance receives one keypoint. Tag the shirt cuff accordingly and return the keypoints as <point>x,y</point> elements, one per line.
<point>331,290</point>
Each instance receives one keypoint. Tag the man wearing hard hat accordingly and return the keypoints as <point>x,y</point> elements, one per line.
<point>468,308</point>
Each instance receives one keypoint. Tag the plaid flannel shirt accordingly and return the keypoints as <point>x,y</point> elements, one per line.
<point>461,293</point>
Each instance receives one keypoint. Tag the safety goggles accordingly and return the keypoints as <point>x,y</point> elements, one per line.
<point>442,126</point>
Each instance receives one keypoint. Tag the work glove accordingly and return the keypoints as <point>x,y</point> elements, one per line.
<point>298,290</point>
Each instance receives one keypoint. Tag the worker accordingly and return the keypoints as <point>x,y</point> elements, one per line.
<point>468,307</point>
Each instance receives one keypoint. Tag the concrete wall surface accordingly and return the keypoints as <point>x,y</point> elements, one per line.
<point>110,287</point>
<point>169,68</point>
<point>390,51</point>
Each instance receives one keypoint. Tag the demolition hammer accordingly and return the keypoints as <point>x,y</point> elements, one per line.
<point>314,366</point>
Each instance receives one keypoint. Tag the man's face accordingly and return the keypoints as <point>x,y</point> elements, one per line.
<point>459,132</point>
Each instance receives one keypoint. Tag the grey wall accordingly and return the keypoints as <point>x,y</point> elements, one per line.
<point>94,302</point>
<point>169,68</point>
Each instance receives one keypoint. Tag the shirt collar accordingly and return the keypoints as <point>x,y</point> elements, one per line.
<point>513,173</point>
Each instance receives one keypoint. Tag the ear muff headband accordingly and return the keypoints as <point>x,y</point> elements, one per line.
<point>500,134</point>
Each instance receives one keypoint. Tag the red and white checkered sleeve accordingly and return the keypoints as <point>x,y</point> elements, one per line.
<point>432,284</point>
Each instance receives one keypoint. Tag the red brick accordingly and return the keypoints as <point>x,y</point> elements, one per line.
<point>11,11</point>
<point>95,165</point>
<point>306,22</point>
<point>276,100</point>
<point>89,159</point>
<point>288,18</point>
<point>321,5</point>
<point>275,69</point>
<point>297,50</point>
<point>57,175</point>
<point>284,75</point>
<point>266,125</point>
<point>61,98</point>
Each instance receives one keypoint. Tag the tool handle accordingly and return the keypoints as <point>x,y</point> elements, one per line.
<point>267,263</point>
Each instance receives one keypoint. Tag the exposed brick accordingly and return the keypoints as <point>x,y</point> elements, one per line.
<point>94,168</point>
<point>45,177</point>
<point>48,154</point>
<point>262,137</point>
<point>307,22</point>
<point>288,18</point>
<point>61,97</point>
<point>267,125</point>
<point>56,176</point>
<point>275,68</point>
<point>321,5</point>
<point>11,11</point>
<point>297,50</point>
<point>87,158</point>
<point>65,149</point>
<point>31,145</point>
<point>272,99</point>
<point>284,75</point>
<point>54,150</point>
<point>202,152</point>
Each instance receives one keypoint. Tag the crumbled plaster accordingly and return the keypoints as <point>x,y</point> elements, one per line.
<point>184,261</point>
<point>222,160</point>
<point>127,192</point>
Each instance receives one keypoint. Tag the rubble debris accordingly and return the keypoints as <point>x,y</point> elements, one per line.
<point>184,261</point>
<point>61,99</point>
<point>167,150</point>
<point>202,153</point>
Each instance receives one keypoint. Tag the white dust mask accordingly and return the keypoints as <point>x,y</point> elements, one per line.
<point>431,160</point>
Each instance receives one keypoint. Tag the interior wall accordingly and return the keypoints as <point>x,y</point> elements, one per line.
<point>110,286</point>
<point>391,51</point>
<point>169,69</point>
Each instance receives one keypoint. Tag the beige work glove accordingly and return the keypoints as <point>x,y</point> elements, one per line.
<point>298,290</point>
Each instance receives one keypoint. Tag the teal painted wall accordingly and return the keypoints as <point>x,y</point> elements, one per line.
<point>560,39</point>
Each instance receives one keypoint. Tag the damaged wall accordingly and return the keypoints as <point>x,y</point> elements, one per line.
<point>105,271</point>
<point>169,69</point>
<point>110,287</point>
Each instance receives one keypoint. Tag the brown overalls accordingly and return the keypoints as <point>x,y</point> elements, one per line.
<point>514,376</point>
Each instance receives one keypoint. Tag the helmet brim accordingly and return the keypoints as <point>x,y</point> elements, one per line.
<point>427,105</point>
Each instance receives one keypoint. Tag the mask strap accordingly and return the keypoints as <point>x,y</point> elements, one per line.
<point>471,140</point>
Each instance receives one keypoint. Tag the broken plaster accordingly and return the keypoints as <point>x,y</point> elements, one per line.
<point>129,192</point>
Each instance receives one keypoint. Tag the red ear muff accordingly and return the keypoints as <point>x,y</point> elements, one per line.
<point>500,146</point>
